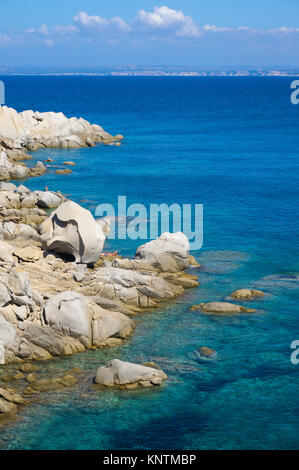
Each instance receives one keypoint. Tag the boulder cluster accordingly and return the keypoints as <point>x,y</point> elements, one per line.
<point>58,294</point>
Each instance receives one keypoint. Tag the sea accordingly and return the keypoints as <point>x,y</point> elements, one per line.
<point>232,145</point>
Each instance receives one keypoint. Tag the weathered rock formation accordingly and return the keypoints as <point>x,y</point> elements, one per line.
<point>72,230</point>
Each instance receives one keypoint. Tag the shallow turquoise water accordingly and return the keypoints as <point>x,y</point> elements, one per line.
<point>232,145</point>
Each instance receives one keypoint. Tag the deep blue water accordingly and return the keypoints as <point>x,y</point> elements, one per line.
<point>230,144</point>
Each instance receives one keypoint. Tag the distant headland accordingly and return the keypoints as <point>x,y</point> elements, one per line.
<point>155,71</point>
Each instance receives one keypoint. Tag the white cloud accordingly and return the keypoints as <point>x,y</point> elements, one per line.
<point>43,30</point>
<point>95,23</point>
<point>5,40</point>
<point>66,30</point>
<point>283,30</point>
<point>164,19</point>
<point>49,42</point>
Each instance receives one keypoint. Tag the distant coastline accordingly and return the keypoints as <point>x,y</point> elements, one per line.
<point>152,71</point>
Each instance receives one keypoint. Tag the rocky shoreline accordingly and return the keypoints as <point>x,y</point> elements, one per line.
<point>59,294</point>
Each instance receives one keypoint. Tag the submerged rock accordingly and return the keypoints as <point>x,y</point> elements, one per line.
<point>47,384</point>
<point>28,367</point>
<point>128,375</point>
<point>205,354</point>
<point>65,171</point>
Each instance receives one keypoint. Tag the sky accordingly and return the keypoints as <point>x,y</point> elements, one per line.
<point>202,33</point>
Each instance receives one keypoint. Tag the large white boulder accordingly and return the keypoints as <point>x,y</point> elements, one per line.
<point>72,230</point>
<point>168,253</point>
<point>68,312</point>
<point>117,373</point>
<point>178,238</point>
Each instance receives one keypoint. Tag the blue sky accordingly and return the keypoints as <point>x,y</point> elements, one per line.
<point>203,33</point>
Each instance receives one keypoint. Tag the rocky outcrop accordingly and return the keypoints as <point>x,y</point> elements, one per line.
<point>72,230</point>
<point>67,323</point>
<point>53,306</point>
<point>131,287</point>
<point>128,375</point>
<point>33,130</point>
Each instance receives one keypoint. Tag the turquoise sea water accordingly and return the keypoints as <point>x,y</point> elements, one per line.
<point>230,144</point>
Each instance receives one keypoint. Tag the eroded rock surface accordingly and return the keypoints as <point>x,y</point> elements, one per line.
<point>72,230</point>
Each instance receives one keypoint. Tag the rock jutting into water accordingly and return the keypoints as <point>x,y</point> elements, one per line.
<point>29,130</point>
<point>129,376</point>
<point>224,308</point>
<point>246,294</point>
